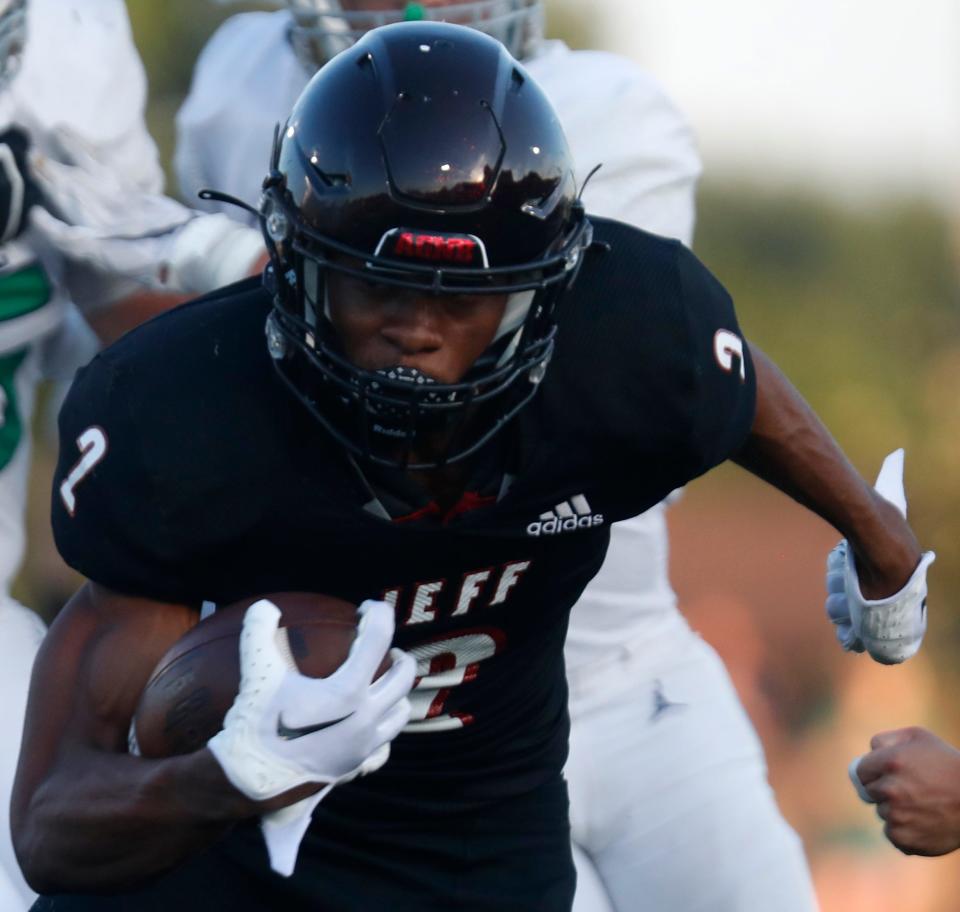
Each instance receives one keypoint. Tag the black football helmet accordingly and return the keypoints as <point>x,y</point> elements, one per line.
<point>423,158</point>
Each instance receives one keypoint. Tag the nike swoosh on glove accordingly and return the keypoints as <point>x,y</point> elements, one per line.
<point>890,629</point>
<point>364,716</point>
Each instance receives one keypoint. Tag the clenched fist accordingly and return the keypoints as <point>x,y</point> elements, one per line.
<point>913,777</point>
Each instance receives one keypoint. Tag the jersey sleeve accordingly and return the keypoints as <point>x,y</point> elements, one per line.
<point>721,396</point>
<point>106,515</point>
<point>67,104</point>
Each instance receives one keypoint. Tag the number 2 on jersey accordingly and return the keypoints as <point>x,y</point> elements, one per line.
<point>93,447</point>
<point>442,664</point>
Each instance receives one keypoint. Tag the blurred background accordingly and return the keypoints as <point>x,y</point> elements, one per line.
<point>830,207</point>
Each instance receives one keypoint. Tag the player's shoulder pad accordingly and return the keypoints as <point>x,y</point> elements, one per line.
<point>235,55</point>
<point>665,331</point>
<point>640,260</point>
<point>613,70</point>
<point>99,101</point>
<point>556,60</point>
<point>630,127</point>
<point>136,473</point>
<point>624,311</point>
<point>647,263</point>
<point>625,90</point>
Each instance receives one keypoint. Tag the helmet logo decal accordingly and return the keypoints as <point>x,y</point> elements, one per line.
<point>434,246</point>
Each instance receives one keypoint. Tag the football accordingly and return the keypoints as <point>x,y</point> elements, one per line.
<point>194,684</point>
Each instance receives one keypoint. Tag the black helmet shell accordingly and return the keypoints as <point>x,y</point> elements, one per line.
<point>409,128</point>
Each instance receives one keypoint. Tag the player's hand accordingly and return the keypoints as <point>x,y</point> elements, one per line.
<point>18,190</point>
<point>890,629</point>
<point>101,221</point>
<point>913,777</point>
<point>285,729</point>
<point>98,220</point>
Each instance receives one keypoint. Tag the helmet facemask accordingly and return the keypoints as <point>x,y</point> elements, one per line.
<point>323,28</point>
<point>379,415</point>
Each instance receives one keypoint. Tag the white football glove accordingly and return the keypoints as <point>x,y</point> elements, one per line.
<point>890,629</point>
<point>101,220</point>
<point>285,729</point>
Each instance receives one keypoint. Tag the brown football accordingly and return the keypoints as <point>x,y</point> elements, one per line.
<point>194,684</point>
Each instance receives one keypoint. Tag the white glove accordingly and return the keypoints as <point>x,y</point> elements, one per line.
<point>102,221</point>
<point>890,629</point>
<point>285,729</point>
<point>83,191</point>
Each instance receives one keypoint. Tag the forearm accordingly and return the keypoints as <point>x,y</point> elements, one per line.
<point>106,821</point>
<point>86,814</point>
<point>114,320</point>
<point>790,448</point>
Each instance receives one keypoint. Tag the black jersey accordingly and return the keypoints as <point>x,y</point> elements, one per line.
<point>188,472</point>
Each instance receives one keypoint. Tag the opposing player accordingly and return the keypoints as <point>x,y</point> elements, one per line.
<point>628,646</point>
<point>424,422</point>
<point>81,222</point>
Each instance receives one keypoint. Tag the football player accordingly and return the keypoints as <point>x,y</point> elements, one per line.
<point>80,223</point>
<point>464,381</point>
<point>627,646</point>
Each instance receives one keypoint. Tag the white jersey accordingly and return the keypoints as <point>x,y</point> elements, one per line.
<point>247,80</point>
<point>101,101</point>
<point>79,71</point>
<point>616,115</point>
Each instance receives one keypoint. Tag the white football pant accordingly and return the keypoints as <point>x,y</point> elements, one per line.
<point>669,798</point>
<point>21,631</point>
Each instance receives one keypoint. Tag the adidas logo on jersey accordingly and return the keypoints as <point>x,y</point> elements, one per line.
<point>568,516</point>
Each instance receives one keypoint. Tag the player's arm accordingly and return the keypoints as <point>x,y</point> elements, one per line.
<point>743,408</point>
<point>789,447</point>
<point>112,320</point>
<point>877,575</point>
<point>85,813</point>
<point>129,254</point>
